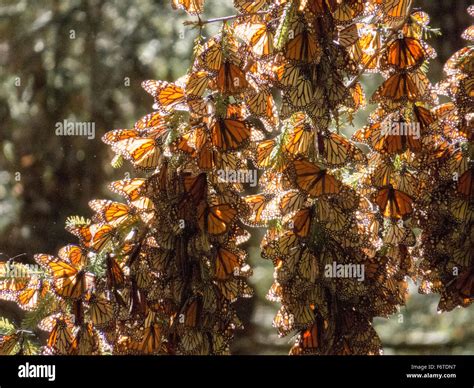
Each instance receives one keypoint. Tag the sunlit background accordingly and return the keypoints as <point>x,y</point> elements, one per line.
<point>84,61</point>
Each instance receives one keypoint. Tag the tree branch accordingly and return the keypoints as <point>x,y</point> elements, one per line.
<point>201,23</point>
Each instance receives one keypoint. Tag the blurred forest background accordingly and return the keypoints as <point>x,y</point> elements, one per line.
<point>84,60</point>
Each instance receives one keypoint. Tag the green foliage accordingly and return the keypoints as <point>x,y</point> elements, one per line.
<point>46,306</point>
<point>6,327</point>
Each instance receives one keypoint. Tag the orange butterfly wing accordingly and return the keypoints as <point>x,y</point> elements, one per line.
<point>314,180</point>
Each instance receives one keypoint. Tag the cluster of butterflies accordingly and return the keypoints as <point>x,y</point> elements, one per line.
<point>315,217</point>
<point>447,254</point>
<point>159,272</point>
<point>400,135</point>
<point>419,174</point>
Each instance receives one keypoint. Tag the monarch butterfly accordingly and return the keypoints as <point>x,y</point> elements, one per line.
<point>249,6</point>
<point>465,283</point>
<point>219,343</point>
<point>350,35</point>
<point>36,290</point>
<point>69,281</point>
<point>334,217</point>
<point>405,53</point>
<point>308,266</point>
<point>415,25</point>
<point>82,232</point>
<point>403,86</point>
<point>447,113</point>
<point>135,299</point>
<point>393,203</point>
<point>441,151</point>
<point>199,107</point>
<point>232,198</point>
<point>357,335</point>
<point>10,343</point>
<point>378,268</point>
<point>304,47</point>
<point>280,247</point>
<point>262,105</point>
<point>193,7</point>
<point>10,285</point>
<point>196,84</point>
<point>113,213</point>
<point>357,97</point>
<point>231,79</point>
<point>61,337</point>
<point>462,61</point>
<point>259,36</point>
<point>406,182</point>
<point>466,184</point>
<point>467,87</point>
<point>302,221</point>
<point>152,125</point>
<point>300,316</point>
<point>159,258</point>
<point>300,137</point>
<point>73,254</point>
<point>117,135</point>
<point>314,180</point>
<point>337,151</point>
<point>101,310</point>
<point>319,114</point>
<point>396,9</point>
<point>215,219</point>
<point>167,95</point>
<point>291,202</point>
<point>144,153</point>
<point>233,288</point>
<point>265,153</point>
<point>101,236</point>
<point>304,93</point>
<point>275,292</point>
<point>286,75</point>
<point>285,268</point>
<point>347,11</point>
<point>142,274</point>
<point>195,342</point>
<point>461,210</point>
<point>114,273</point>
<point>183,143</point>
<point>336,91</point>
<point>389,137</point>
<point>151,120</point>
<point>86,341</point>
<point>261,208</point>
<point>195,187</point>
<point>462,254</point>
<point>166,239</point>
<point>424,117</point>
<point>151,341</point>
<point>229,134</point>
<point>191,313</point>
<point>468,34</point>
<point>211,57</point>
<point>131,189</point>
<point>309,340</point>
<point>318,7</point>
<point>364,50</point>
<point>227,262</point>
<point>283,321</point>
<point>209,158</point>
<point>396,234</point>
